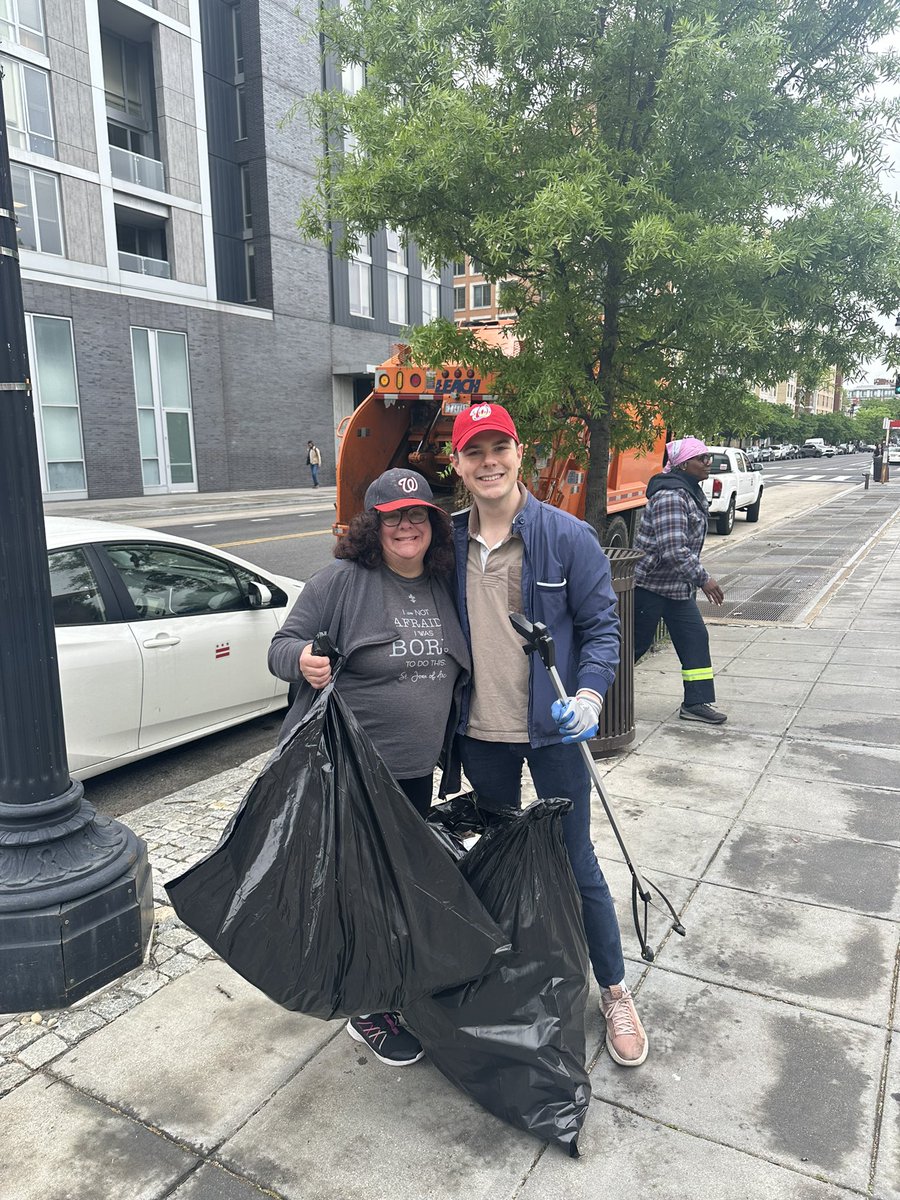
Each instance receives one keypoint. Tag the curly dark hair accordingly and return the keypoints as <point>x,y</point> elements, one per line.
<point>362,543</point>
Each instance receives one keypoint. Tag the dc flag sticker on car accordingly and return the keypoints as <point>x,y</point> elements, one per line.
<point>223,649</point>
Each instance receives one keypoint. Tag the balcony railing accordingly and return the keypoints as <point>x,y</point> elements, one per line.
<point>144,266</point>
<point>137,168</point>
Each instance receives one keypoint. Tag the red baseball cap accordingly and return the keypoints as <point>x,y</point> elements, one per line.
<point>480,418</point>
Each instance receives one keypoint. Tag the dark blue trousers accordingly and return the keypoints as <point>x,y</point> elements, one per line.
<point>689,637</point>
<point>494,770</point>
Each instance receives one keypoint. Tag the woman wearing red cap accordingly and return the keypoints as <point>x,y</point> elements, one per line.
<point>387,605</point>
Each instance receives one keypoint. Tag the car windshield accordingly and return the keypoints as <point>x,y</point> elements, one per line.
<point>719,463</point>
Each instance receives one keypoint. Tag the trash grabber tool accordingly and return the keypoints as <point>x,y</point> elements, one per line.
<point>538,640</point>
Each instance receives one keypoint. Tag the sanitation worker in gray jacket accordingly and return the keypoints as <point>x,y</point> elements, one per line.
<point>515,554</point>
<point>666,580</point>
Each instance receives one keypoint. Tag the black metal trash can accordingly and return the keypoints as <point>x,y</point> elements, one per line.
<point>617,718</point>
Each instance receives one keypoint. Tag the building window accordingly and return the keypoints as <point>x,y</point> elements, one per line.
<point>481,295</point>
<point>431,295</point>
<point>360,270</point>
<point>165,426</point>
<point>241,106</point>
<point>475,267</point>
<point>36,201</point>
<point>237,43</point>
<point>396,278</point>
<point>142,243</point>
<point>250,270</point>
<point>459,298</point>
<point>353,78</point>
<point>125,76</point>
<point>459,266</point>
<point>22,21</point>
<point>29,116</point>
<point>57,418</point>
<point>246,206</point>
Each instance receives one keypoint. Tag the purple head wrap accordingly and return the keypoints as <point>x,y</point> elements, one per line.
<point>681,450</point>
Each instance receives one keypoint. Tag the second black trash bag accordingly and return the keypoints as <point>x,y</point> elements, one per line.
<point>514,1040</point>
<point>327,891</point>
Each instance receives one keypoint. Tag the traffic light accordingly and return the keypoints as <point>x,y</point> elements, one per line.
<point>897,385</point>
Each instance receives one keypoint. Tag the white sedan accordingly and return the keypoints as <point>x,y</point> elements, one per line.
<point>160,640</point>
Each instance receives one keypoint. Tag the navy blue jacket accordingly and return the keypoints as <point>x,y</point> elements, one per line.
<point>566,584</point>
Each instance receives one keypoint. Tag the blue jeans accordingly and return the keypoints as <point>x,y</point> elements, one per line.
<point>690,638</point>
<point>494,770</point>
<point>314,471</point>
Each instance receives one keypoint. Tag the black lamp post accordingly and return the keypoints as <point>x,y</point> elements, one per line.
<point>76,904</point>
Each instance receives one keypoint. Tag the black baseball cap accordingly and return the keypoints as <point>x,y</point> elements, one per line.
<point>399,488</point>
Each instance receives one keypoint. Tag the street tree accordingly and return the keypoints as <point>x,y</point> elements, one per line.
<point>676,197</point>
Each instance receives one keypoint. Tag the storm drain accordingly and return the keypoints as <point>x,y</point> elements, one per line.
<point>777,578</point>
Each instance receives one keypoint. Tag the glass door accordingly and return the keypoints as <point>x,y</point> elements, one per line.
<point>163,391</point>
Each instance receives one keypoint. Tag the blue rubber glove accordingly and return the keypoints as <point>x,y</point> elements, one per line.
<point>577,717</point>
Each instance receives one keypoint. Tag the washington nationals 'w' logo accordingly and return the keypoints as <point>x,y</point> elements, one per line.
<point>479,413</point>
<point>407,483</point>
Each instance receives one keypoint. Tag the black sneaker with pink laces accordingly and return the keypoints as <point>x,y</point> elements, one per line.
<point>386,1038</point>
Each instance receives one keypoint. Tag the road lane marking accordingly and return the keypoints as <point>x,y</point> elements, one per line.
<point>278,537</point>
<point>208,525</point>
<point>256,520</point>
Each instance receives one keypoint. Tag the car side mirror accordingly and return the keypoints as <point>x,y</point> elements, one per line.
<point>258,594</point>
<point>756,466</point>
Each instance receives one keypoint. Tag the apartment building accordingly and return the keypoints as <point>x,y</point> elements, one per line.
<point>182,335</point>
<point>827,397</point>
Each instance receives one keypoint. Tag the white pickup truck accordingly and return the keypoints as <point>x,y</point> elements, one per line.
<point>733,484</point>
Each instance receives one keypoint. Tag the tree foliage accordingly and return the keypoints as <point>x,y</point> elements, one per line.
<point>682,195</point>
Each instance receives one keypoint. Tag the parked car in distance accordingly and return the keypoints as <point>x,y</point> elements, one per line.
<point>813,448</point>
<point>160,639</point>
<point>765,454</point>
<point>779,453</point>
<point>752,453</point>
<point>734,485</point>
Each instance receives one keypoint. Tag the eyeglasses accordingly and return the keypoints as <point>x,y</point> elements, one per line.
<point>704,458</point>
<point>415,516</point>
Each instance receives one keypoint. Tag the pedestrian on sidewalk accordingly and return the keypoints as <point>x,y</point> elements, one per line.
<point>387,604</point>
<point>515,554</point>
<point>313,461</point>
<point>673,529</point>
<point>878,463</point>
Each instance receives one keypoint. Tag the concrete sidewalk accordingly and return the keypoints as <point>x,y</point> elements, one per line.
<point>771,1072</point>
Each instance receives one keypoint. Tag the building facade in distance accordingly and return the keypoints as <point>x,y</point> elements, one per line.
<point>182,336</point>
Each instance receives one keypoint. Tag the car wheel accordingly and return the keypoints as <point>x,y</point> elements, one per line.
<point>753,510</point>
<point>725,520</point>
<point>616,536</point>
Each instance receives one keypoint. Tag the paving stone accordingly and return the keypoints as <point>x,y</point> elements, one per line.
<point>837,872</point>
<point>758,716</point>
<point>77,1023</point>
<point>144,982</point>
<point>847,698</point>
<point>198,1057</point>
<point>688,741</point>
<point>113,1004</point>
<point>841,810</point>
<point>761,691</point>
<point>345,1120</point>
<point>11,1075</point>
<point>624,1155</point>
<point>837,763</point>
<point>850,673</point>
<point>713,789</point>
<point>651,706</point>
<point>42,1051</point>
<point>802,635</point>
<point>20,1036</point>
<point>679,841</point>
<point>67,1145</point>
<point>807,1102</point>
<point>887,1172</point>
<point>862,729</point>
<point>178,965</point>
<point>785,652</point>
<point>760,669</point>
<point>783,948</point>
<point>211,1182</point>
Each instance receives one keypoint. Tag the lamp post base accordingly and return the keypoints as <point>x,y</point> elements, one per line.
<point>76,902</point>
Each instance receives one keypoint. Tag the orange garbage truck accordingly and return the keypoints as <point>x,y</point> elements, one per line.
<point>407,420</point>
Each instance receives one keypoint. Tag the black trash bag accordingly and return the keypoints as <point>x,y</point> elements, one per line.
<point>514,1040</point>
<point>454,820</point>
<point>327,891</point>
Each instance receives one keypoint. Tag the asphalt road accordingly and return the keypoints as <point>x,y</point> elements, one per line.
<point>298,544</point>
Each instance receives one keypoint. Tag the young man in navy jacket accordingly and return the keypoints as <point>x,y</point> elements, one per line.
<point>515,554</point>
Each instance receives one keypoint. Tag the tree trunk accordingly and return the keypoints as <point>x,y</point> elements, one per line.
<point>598,472</point>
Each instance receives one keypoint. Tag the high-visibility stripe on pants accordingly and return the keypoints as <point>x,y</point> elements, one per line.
<point>697,673</point>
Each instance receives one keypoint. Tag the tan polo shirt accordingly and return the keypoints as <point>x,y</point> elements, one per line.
<point>499,705</point>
